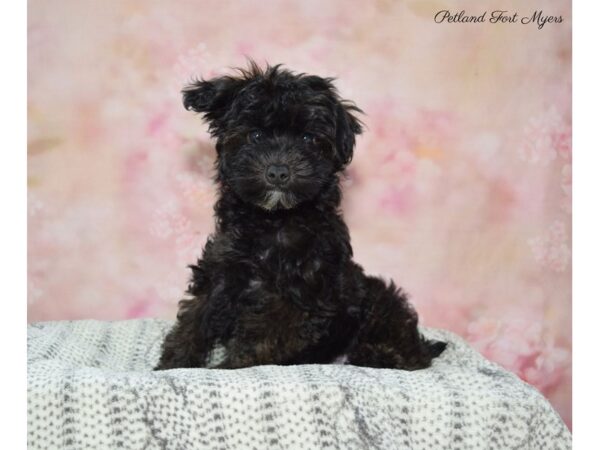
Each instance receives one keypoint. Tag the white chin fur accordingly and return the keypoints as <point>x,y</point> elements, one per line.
<point>273,199</point>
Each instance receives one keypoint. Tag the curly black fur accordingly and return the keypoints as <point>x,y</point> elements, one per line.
<point>276,283</point>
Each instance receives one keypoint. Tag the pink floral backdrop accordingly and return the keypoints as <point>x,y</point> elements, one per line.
<point>460,188</point>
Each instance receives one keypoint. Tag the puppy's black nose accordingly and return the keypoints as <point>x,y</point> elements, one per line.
<point>278,174</point>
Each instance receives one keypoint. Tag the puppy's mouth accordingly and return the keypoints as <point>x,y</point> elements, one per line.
<point>277,199</point>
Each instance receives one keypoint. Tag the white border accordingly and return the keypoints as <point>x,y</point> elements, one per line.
<point>586,224</point>
<point>13,94</point>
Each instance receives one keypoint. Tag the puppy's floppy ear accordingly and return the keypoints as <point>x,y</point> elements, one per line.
<point>212,98</point>
<point>346,128</point>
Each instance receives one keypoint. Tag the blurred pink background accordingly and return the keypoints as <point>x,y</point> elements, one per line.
<point>460,187</point>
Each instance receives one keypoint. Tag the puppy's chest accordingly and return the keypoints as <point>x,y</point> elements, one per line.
<point>289,262</point>
<point>284,250</point>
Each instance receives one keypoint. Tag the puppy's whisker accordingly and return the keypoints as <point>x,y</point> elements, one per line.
<point>241,178</point>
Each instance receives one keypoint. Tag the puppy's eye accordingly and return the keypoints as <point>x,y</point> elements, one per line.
<point>255,136</point>
<point>308,138</point>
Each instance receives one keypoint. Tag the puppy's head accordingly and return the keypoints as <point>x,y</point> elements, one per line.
<point>281,136</point>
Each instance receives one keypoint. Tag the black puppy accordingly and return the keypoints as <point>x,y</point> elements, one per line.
<point>276,283</point>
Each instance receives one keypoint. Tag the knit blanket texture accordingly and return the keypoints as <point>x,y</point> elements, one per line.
<point>91,386</point>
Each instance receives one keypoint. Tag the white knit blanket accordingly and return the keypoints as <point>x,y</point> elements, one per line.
<point>90,385</point>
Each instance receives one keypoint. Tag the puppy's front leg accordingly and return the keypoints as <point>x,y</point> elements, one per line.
<point>185,345</point>
<point>388,336</point>
<point>280,336</point>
